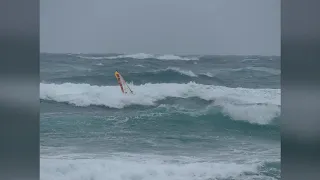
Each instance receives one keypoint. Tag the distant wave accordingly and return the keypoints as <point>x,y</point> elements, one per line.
<point>252,113</point>
<point>143,56</point>
<point>254,105</point>
<point>180,71</point>
<point>207,74</point>
<point>183,72</point>
<point>265,69</point>
<point>139,65</point>
<point>92,57</point>
<point>169,74</point>
<point>262,69</point>
<point>99,64</point>
<point>250,59</point>
<point>210,74</point>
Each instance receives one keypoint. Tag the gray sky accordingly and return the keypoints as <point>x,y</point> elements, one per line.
<point>161,26</point>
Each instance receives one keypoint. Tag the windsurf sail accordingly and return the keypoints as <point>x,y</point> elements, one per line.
<point>122,83</point>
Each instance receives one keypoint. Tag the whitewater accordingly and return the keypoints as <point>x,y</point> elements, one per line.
<point>190,117</point>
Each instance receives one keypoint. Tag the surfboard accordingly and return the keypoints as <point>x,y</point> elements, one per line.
<point>122,83</point>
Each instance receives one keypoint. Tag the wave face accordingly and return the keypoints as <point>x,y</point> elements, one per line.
<point>193,118</point>
<point>256,105</point>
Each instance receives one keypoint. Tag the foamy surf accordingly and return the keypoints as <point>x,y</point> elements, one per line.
<point>144,56</point>
<point>256,105</point>
<point>92,57</point>
<point>171,129</point>
<point>186,72</point>
<point>134,168</point>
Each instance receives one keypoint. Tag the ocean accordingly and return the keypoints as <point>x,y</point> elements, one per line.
<point>190,118</point>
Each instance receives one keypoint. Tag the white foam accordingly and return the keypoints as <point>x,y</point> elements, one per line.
<point>181,71</point>
<point>256,114</point>
<point>207,74</point>
<point>92,57</point>
<point>99,64</point>
<point>250,59</point>
<point>239,103</point>
<point>174,57</point>
<point>184,72</point>
<point>149,56</point>
<point>140,65</point>
<point>134,56</point>
<point>134,168</point>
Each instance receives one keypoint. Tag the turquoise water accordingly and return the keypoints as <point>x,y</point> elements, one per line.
<point>191,118</point>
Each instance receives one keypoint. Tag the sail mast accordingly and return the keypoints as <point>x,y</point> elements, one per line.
<point>122,83</point>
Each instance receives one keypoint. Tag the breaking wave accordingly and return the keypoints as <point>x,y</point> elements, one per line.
<point>180,71</point>
<point>254,105</point>
<point>144,56</point>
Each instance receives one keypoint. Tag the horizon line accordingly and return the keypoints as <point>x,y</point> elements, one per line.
<point>159,54</point>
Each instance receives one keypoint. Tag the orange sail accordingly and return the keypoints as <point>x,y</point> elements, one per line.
<point>122,83</point>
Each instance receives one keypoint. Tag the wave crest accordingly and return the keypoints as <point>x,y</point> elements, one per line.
<point>144,56</point>
<point>180,71</point>
<point>239,103</point>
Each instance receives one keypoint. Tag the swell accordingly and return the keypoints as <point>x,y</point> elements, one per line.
<point>265,70</point>
<point>254,105</point>
<point>173,75</point>
<point>171,119</point>
<point>210,111</point>
<point>246,76</point>
<point>141,56</point>
<point>190,108</point>
<point>168,75</point>
<point>212,123</point>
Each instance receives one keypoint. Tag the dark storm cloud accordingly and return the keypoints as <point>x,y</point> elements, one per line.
<point>166,26</point>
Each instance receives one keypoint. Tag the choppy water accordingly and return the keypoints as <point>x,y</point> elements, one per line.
<point>191,118</point>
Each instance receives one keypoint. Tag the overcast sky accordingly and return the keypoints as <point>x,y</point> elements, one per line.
<point>161,26</point>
